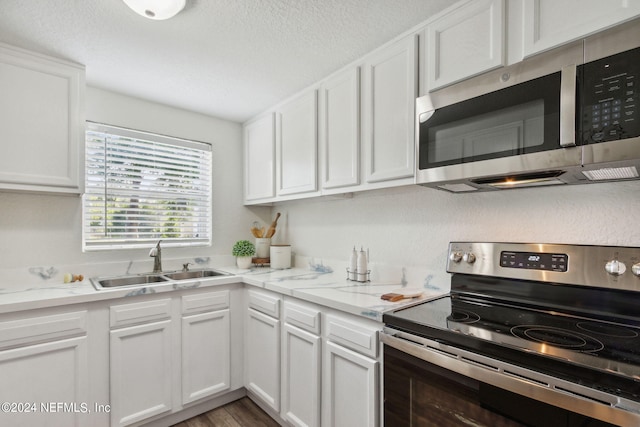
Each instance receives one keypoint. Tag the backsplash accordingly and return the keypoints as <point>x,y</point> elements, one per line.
<point>412,226</point>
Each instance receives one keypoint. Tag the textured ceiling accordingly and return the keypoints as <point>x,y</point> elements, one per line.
<point>226,58</point>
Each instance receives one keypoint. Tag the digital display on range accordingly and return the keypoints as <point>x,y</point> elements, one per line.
<point>534,261</point>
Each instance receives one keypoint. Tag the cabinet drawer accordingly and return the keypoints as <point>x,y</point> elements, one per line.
<point>40,329</point>
<point>306,318</point>
<point>265,303</point>
<point>141,312</point>
<point>359,337</point>
<point>209,301</point>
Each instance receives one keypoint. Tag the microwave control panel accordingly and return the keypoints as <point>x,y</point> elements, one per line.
<point>610,98</point>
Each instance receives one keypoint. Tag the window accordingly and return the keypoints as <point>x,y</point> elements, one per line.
<point>141,188</point>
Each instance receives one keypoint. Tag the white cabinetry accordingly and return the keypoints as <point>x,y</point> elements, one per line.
<point>42,132</point>
<point>141,361</point>
<point>467,41</point>
<point>350,373</point>
<point>388,96</point>
<point>259,159</point>
<point>262,347</point>
<point>297,147</point>
<point>295,378</point>
<point>206,337</point>
<point>43,361</point>
<point>550,23</point>
<point>301,365</point>
<point>168,353</point>
<point>340,130</point>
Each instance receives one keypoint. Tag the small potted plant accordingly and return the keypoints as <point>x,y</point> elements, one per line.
<point>243,250</point>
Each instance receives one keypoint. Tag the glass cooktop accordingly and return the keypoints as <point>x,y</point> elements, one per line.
<point>584,341</point>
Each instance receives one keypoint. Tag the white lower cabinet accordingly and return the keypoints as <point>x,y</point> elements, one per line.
<point>262,347</point>
<point>141,368</point>
<point>301,365</point>
<point>311,365</point>
<point>206,350</point>
<point>206,368</point>
<point>166,354</point>
<point>141,362</point>
<point>44,365</point>
<point>351,372</point>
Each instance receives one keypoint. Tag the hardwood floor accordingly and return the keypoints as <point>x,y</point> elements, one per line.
<point>241,413</point>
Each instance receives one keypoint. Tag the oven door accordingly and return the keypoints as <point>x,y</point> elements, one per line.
<point>429,383</point>
<point>522,123</point>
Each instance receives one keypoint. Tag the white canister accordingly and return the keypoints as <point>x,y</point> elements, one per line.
<point>262,247</point>
<point>280,256</point>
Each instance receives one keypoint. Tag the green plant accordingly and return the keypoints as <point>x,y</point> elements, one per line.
<point>243,248</point>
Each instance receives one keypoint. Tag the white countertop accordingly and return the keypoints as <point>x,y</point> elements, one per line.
<point>316,284</point>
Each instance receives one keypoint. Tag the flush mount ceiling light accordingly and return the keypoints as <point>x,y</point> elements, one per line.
<point>156,9</point>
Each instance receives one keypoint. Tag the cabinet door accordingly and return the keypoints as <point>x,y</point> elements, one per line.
<point>259,159</point>
<point>141,372</point>
<point>340,130</point>
<point>300,377</point>
<point>206,346</point>
<point>550,23</point>
<point>45,374</point>
<point>297,148</point>
<point>465,42</point>
<point>42,132</point>
<point>262,357</point>
<point>389,93</point>
<point>351,388</point>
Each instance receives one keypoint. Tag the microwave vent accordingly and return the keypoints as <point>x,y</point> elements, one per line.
<point>611,173</point>
<point>457,188</point>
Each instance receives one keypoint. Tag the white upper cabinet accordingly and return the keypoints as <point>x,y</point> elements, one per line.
<point>340,130</point>
<point>42,116</point>
<point>297,145</point>
<point>389,92</point>
<point>467,41</point>
<point>550,23</point>
<point>259,159</point>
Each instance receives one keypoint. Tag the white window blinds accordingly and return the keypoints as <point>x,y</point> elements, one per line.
<point>142,187</point>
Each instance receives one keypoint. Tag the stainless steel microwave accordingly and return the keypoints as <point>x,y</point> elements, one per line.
<point>567,116</point>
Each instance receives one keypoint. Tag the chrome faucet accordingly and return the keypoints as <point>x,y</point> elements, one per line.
<point>156,253</point>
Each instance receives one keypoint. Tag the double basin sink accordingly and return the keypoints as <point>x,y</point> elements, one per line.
<point>153,278</point>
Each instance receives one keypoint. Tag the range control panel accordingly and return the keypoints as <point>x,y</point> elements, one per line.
<point>534,260</point>
<point>587,265</point>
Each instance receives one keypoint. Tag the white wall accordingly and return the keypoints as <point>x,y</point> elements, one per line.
<point>412,226</point>
<point>45,230</point>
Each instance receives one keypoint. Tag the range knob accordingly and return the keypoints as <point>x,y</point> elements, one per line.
<point>615,267</point>
<point>455,256</point>
<point>635,269</point>
<point>469,258</point>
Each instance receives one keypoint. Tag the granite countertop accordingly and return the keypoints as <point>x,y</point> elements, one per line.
<point>317,284</point>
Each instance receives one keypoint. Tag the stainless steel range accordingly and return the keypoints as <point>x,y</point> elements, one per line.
<point>530,334</point>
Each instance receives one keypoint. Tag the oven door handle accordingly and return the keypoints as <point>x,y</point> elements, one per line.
<point>568,86</point>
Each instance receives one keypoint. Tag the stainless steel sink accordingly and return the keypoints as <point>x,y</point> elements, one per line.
<point>193,274</point>
<point>137,280</point>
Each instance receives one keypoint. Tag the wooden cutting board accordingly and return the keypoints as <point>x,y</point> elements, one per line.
<point>402,293</point>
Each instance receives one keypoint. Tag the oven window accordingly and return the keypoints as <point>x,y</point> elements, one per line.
<point>517,120</point>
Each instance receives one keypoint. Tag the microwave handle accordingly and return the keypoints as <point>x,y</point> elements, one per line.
<point>424,108</point>
<point>568,106</point>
